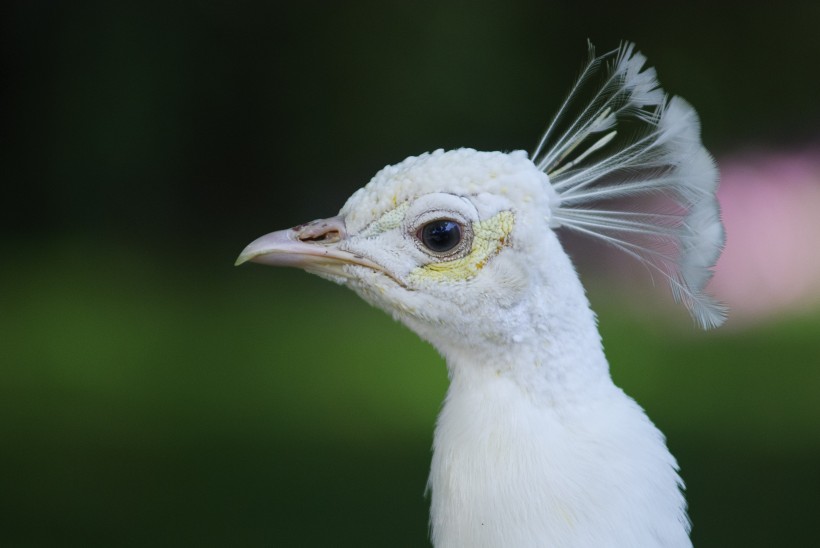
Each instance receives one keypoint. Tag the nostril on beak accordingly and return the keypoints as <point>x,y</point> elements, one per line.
<point>326,237</point>
<point>323,231</point>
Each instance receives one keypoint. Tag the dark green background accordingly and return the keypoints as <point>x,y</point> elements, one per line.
<point>151,394</point>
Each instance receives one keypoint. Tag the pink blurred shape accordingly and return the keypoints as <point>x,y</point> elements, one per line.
<point>771,209</point>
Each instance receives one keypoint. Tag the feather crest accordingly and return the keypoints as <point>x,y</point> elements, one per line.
<point>631,142</point>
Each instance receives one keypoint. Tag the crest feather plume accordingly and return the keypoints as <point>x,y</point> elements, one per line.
<point>619,138</point>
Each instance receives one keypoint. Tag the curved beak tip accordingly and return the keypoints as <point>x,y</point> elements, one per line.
<point>274,243</point>
<point>248,254</point>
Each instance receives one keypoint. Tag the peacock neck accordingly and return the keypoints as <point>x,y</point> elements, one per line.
<point>535,446</point>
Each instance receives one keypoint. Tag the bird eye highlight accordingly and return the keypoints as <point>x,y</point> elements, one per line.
<point>441,235</point>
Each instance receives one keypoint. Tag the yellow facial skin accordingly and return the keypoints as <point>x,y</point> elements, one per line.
<point>489,237</point>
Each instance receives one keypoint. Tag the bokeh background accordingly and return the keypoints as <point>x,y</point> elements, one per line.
<point>151,394</point>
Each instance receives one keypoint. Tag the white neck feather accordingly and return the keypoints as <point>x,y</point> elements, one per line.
<point>535,446</point>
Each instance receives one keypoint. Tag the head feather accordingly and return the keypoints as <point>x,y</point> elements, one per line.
<point>631,142</point>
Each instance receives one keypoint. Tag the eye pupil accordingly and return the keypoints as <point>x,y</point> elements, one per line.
<point>441,235</point>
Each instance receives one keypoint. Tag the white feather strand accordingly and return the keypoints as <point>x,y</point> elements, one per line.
<point>657,158</point>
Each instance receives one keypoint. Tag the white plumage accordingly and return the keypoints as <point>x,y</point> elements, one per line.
<point>534,445</point>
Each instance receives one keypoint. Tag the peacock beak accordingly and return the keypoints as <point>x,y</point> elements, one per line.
<point>314,246</point>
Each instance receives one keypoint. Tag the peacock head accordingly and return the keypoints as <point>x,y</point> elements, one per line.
<point>452,243</point>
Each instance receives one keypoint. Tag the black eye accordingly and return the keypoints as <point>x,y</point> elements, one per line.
<point>440,236</point>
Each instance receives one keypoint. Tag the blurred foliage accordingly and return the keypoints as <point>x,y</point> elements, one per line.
<point>221,118</point>
<point>152,394</point>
